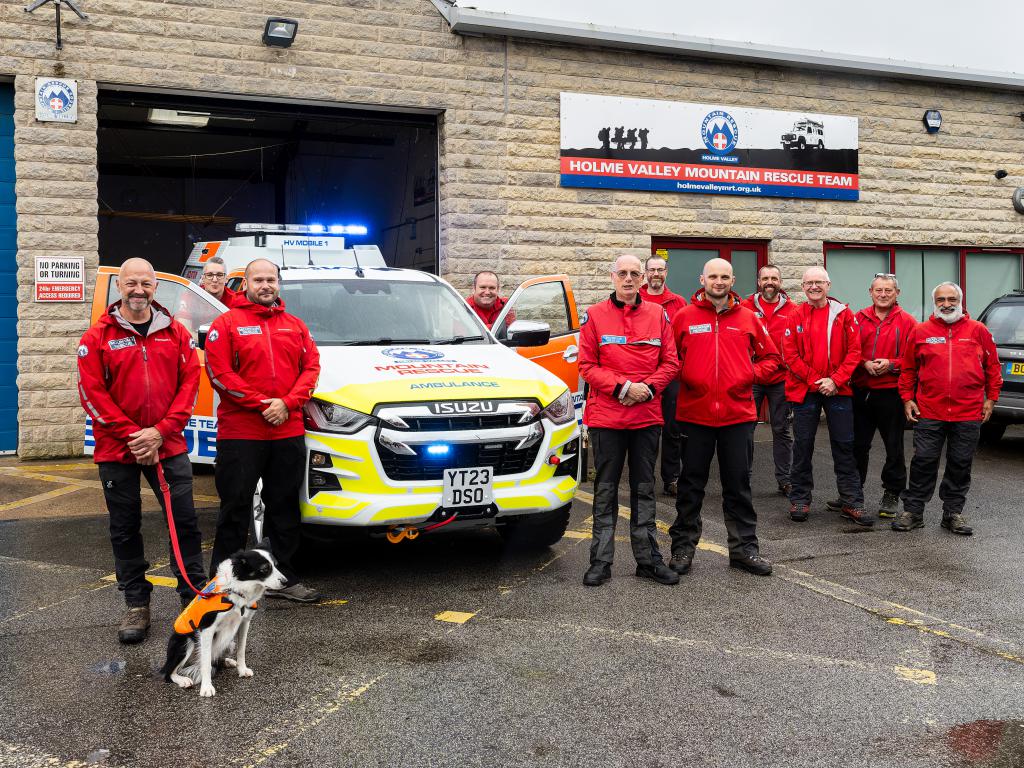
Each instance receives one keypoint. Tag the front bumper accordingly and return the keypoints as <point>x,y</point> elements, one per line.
<point>367,497</point>
<point>1009,408</point>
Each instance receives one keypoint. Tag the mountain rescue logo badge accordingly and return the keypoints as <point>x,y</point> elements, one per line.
<point>720,132</point>
<point>56,100</point>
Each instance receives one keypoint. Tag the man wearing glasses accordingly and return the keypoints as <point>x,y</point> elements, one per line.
<point>884,330</point>
<point>215,277</point>
<point>671,438</point>
<point>821,348</point>
<point>628,357</point>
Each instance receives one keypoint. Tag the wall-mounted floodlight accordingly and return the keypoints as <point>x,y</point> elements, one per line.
<point>280,33</point>
<point>932,120</point>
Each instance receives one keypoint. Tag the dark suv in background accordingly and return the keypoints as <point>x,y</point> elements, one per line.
<point>1004,317</point>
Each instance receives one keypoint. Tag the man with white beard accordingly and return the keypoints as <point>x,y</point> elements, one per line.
<point>949,384</point>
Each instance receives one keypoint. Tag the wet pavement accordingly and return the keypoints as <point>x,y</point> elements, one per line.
<point>866,647</point>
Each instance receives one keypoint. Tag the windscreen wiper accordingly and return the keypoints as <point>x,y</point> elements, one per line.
<point>457,339</point>
<point>382,342</point>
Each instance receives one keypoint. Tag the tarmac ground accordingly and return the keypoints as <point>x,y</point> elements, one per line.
<point>865,647</point>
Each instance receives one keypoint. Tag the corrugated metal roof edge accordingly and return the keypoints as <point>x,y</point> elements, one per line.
<point>470,21</point>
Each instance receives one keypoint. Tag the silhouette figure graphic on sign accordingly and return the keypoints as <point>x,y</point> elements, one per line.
<point>643,137</point>
<point>605,137</point>
<point>631,138</point>
<point>619,138</point>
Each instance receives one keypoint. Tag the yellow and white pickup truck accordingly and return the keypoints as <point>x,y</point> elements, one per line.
<point>423,419</point>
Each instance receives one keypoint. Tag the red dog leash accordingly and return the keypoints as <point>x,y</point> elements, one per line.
<point>165,490</point>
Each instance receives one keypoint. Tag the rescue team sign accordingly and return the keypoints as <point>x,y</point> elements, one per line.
<point>670,146</point>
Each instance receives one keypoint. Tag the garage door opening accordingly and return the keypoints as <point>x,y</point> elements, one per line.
<point>174,171</point>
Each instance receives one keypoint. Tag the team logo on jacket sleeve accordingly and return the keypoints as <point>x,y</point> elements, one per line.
<point>583,320</point>
<point>192,342</point>
<point>213,336</point>
<point>82,350</point>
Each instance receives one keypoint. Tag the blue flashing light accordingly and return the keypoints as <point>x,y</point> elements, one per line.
<point>439,450</point>
<point>347,229</point>
<point>316,229</point>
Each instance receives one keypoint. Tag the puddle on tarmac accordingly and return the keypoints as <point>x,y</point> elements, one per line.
<point>988,743</point>
<point>112,668</point>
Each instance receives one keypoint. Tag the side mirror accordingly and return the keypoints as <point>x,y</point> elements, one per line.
<point>527,333</point>
<point>203,330</point>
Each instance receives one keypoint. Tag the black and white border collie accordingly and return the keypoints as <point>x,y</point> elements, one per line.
<point>212,631</point>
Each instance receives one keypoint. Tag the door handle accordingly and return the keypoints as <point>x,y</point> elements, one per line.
<point>571,353</point>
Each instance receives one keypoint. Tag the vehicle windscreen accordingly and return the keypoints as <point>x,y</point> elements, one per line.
<point>378,312</point>
<point>1006,323</point>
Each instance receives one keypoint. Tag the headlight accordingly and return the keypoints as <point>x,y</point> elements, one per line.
<point>561,411</point>
<point>328,417</point>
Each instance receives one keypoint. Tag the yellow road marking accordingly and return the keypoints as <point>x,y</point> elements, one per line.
<point>160,581</point>
<point>919,676</point>
<point>33,475</point>
<point>64,467</point>
<point>332,602</point>
<point>455,617</point>
<point>883,609</point>
<point>286,729</point>
<point>39,497</point>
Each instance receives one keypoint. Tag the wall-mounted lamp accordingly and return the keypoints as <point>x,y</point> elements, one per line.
<point>932,120</point>
<point>280,33</point>
<point>1001,174</point>
<point>1018,200</point>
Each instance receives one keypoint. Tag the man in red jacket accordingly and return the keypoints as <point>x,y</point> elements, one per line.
<point>821,348</point>
<point>485,300</point>
<point>723,351</point>
<point>627,356</point>
<point>949,384</point>
<point>214,276</point>
<point>264,365</point>
<point>672,439</point>
<point>773,307</point>
<point>884,328</point>
<point>138,375</point>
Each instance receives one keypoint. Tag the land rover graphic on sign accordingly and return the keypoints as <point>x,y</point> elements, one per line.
<point>805,133</point>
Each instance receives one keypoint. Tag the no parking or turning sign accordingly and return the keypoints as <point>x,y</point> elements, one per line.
<point>60,278</point>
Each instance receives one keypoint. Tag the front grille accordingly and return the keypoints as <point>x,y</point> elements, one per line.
<point>454,423</point>
<point>502,457</point>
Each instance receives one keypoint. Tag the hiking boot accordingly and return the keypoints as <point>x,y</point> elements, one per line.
<point>296,592</point>
<point>834,505</point>
<point>754,564</point>
<point>956,523</point>
<point>597,574</point>
<point>658,572</point>
<point>134,625</point>
<point>681,563</point>
<point>889,506</point>
<point>907,521</point>
<point>859,515</point>
<point>672,489</point>
<point>798,513</point>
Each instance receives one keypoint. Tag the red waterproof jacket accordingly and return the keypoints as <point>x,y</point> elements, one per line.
<point>127,382</point>
<point>722,355</point>
<point>254,353</point>
<point>620,343</point>
<point>776,324</point>
<point>232,299</point>
<point>950,370</point>
<point>840,339</point>
<point>670,302</point>
<point>882,339</point>
<point>488,315</point>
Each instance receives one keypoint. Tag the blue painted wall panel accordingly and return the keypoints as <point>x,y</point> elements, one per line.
<point>8,278</point>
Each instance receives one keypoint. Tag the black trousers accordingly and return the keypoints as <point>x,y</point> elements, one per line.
<point>839,416</point>
<point>881,410</point>
<point>240,466</point>
<point>123,495</point>
<point>735,448</point>
<point>610,448</point>
<point>672,438</point>
<point>781,415</point>
<point>961,440</point>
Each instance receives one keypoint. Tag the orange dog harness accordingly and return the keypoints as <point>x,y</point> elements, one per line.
<point>203,609</point>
